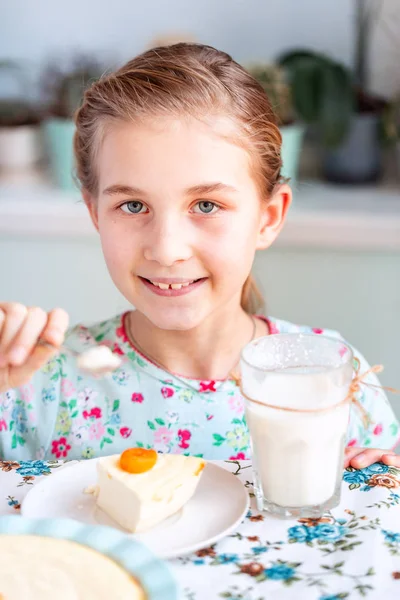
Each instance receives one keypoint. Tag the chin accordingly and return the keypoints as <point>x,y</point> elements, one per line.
<point>174,319</point>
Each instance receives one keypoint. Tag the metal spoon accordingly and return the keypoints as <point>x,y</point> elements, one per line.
<point>96,361</point>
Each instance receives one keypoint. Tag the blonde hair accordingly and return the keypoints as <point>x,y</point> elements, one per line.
<point>183,80</point>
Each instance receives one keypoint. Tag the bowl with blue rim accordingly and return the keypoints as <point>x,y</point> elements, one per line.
<point>151,572</point>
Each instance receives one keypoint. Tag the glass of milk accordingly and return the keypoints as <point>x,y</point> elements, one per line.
<point>296,390</point>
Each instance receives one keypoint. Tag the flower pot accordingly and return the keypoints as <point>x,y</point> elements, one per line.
<point>359,158</point>
<point>20,146</point>
<point>59,135</point>
<point>292,140</point>
<point>397,150</point>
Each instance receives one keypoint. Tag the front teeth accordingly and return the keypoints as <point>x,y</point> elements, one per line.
<point>162,286</point>
<point>173,286</point>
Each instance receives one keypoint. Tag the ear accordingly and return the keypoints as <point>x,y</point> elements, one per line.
<point>91,205</point>
<point>273,216</point>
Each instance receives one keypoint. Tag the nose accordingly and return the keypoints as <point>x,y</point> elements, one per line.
<point>167,241</point>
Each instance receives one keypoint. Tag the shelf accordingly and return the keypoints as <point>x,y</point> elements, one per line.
<point>322,215</point>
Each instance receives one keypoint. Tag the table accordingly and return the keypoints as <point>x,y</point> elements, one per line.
<point>352,552</point>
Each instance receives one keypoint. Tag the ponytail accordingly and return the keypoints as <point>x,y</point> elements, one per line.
<point>252,299</point>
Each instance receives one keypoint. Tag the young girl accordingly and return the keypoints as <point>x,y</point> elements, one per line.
<point>178,156</point>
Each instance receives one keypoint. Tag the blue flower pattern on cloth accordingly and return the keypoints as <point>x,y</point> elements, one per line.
<point>32,467</point>
<point>328,532</point>
<point>377,474</point>
<point>349,552</point>
<point>391,537</point>
<point>279,571</point>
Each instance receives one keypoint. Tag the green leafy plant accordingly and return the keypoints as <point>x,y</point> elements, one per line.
<point>328,93</point>
<point>274,81</point>
<point>322,92</point>
<point>15,111</point>
<point>65,89</point>
<point>392,121</point>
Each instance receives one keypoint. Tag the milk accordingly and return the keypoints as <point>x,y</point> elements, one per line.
<point>297,456</point>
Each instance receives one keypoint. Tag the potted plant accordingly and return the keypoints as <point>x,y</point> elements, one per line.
<point>19,125</point>
<point>65,91</point>
<point>274,82</point>
<point>392,128</point>
<point>337,100</point>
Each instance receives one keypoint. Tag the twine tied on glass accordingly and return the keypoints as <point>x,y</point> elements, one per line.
<point>354,389</point>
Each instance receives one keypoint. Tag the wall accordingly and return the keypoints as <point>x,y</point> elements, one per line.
<point>34,32</point>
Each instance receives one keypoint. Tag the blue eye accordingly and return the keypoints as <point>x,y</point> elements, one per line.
<point>133,208</point>
<point>206,207</point>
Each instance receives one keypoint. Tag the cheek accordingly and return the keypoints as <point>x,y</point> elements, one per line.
<point>117,244</point>
<point>231,246</point>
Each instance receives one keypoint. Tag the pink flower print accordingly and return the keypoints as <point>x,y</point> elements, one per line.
<point>239,456</point>
<point>94,412</point>
<point>120,331</point>
<point>272,328</point>
<point>32,418</point>
<point>117,349</point>
<point>236,404</point>
<point>67,388</point>
<point>3,425</point>
<point>352,442</point>
<point>125,432</point>
<point>27,393</point>
<point>162,436</point>
<point>209,417</point>
<point>184,436</point>
<point>173,417</point>
<point>167,392</point>
<point>137,397</point>
<point>84,334</point>
<point>207,386</point>
<point>78,431</point>
<point>378,430</point>
<point>60,447</point>
<point>40,453</point>
<point>7,398</point>
<point>317,330</point>
<point>96,431</point>
<point>87,396</point>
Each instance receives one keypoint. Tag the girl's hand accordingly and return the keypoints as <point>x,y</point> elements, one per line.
<point>20,330</point>
<point>359,458</point>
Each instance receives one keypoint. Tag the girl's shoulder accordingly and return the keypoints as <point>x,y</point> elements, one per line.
<point>280,326</point>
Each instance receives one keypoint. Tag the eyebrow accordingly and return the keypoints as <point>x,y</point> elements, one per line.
<point>202,188</point>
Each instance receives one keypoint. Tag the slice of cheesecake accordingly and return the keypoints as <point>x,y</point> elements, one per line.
<point>139,494</point>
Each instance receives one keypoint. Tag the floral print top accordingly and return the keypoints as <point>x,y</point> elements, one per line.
<point>63,414</point>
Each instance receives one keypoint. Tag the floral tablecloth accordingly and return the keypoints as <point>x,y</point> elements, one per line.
<point>352,552</point>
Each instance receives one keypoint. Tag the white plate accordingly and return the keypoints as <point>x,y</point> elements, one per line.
<point>217,508</point>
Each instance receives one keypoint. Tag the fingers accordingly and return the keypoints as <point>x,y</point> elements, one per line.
<point>349,454</point>
<point>26,338</point>
<point>36,360</point>
<point>391,459</point>
<point>365,458</point>
<point>57,325</point>
<point>21,328</point>
<point>13,316</point>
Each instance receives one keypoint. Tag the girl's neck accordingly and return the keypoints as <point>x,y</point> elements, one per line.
<point>208,352</point>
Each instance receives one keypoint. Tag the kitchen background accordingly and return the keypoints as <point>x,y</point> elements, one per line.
<point>337,263</point>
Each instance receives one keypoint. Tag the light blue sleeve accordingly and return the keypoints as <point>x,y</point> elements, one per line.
<point>28,414</point>
<point>382,430</point>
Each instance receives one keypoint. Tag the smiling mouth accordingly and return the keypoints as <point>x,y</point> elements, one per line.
<point>172,286</point>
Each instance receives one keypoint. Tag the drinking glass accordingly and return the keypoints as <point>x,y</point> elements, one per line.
<point>296,389</point>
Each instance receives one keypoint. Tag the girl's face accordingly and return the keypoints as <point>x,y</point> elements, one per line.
<point>178,207</point>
